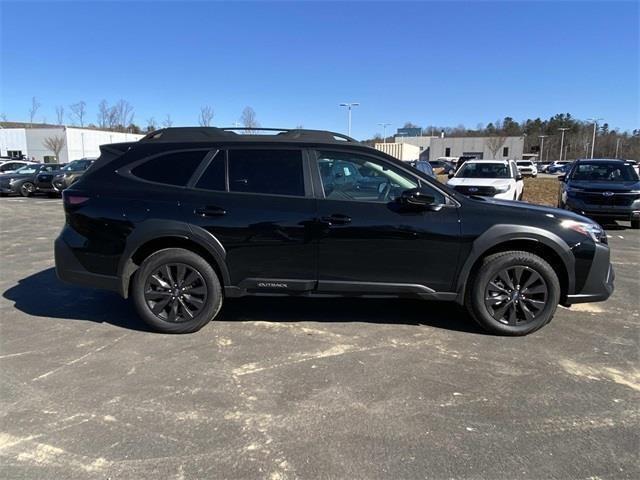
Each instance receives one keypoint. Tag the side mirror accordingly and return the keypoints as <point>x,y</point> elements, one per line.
<point>562,178</point>
<point>451,174</point>
<point>416,198</point>
<point>519,176</point>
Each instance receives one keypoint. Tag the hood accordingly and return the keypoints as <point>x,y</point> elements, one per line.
<point>17,176</point>
<point>605,186</point>
<point>480,182</point>
<point>530,208</point>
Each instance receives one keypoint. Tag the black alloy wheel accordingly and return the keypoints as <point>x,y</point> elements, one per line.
<point>516,295</point>
<point>175,292</point>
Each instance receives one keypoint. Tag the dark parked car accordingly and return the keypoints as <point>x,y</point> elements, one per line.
<point>603,189</point>
<point>186,217</point>
<point>69,174</point>
<point>23,181</point>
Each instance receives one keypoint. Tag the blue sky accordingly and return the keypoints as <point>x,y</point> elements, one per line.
<point>442,63</point>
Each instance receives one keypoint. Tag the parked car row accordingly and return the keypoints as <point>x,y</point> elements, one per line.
<point>46,178</point>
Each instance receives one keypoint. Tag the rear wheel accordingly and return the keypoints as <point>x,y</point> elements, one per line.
<point>27,189</point>
<point>176,291</point>
<point>513,293</point>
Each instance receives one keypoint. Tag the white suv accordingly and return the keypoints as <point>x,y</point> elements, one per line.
<point>489,178</point>
<point>527,167</point>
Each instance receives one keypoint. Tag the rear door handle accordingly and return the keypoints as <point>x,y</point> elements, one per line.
<point>337,219</point>
<point>210,211</point>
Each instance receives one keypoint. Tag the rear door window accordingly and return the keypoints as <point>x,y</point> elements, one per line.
<point>213,177</point>
<point>274,172</point>
<point>174,168</point>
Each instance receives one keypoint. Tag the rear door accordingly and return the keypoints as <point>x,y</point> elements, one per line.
<point>369,243</point>
<point>258,203</point>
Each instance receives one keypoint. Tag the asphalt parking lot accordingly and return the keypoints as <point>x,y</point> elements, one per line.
<point>299,388</point>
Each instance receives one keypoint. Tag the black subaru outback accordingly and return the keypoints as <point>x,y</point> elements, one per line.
<point>188,216</point>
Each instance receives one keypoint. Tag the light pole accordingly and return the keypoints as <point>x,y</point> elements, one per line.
<point>384,131</point>
<point>617,147</point>
<point>541,137</point>
<point>595,127</point>
<point>349,107</point>
<point>562,129</point>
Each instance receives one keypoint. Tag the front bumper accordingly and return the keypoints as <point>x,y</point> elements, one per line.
<point>599,284</point>
<point>619,212</point>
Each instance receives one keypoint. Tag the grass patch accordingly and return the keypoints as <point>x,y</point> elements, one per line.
<point>543,191</point>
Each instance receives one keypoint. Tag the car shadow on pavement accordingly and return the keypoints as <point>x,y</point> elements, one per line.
<point>44,295</point>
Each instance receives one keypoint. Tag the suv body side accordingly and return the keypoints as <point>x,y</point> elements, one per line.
<point>276,244</point>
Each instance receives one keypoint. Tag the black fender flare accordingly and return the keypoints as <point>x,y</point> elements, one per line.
<point>153,229</point>
<point>498,234</point>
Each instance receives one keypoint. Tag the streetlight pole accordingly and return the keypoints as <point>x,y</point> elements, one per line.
<point>541,137</point>
<point>593,140</point>
<point>562,129</point>
<point>349,107</point>
<point>384,131</point>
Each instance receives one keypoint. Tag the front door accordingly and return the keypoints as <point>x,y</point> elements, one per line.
<point>368,238</point>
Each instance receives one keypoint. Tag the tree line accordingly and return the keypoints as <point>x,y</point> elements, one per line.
<point>578,136</point>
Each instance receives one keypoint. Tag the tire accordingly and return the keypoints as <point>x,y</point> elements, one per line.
<point>178,311</point>
<point>27,189</point>
<point>635,224</point>
<point>486,292</point>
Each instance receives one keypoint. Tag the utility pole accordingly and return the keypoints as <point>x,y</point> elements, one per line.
<point>562,129</point>
<point>595,127</point>
<point>541,137</point>
<point>349,107</point>
<point>617,147</point>
<point>384,131</point>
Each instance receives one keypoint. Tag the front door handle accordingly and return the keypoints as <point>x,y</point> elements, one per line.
<point>337,219</point>
<point>210,211</point>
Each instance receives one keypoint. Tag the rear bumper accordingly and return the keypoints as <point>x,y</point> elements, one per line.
<point>69,269</point>
<point>599,284</point>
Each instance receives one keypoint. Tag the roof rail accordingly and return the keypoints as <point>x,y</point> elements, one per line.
<point>203,134</point>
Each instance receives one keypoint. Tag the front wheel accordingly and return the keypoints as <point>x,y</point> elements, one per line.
<point>176,291</point>
<point>27,189</point>
<point>513,293</point>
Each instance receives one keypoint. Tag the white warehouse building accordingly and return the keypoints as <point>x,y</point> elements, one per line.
<point>433,148</point>
<point>78,142</point>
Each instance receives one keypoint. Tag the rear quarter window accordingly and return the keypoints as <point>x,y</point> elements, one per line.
<point>174,168</point>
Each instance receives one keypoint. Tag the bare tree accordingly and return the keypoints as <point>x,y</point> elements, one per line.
<point>103,114</point>
<point>35,105</point>
<point>123,114</point>
<point>79,111</point>
<point>167,122</point>
<point>3,117</point>
<point>206,115</point>
<point>151,124</point>
<point>60,114</point>
<point>55,144</point>
<point>495,143</point>
<point>248,119</point>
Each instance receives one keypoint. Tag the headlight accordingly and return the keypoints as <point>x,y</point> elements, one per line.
<point>503,188</point>
<point>12,181</point>
<point>591,230</point>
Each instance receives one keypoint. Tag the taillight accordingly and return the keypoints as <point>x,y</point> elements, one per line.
<point>70,198</point>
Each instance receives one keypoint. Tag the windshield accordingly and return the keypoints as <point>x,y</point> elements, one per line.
<point>604,172</point>
<point>524,164</point>
<point>27,169</point>
<point>77,165</point>
<point>483,170</point>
